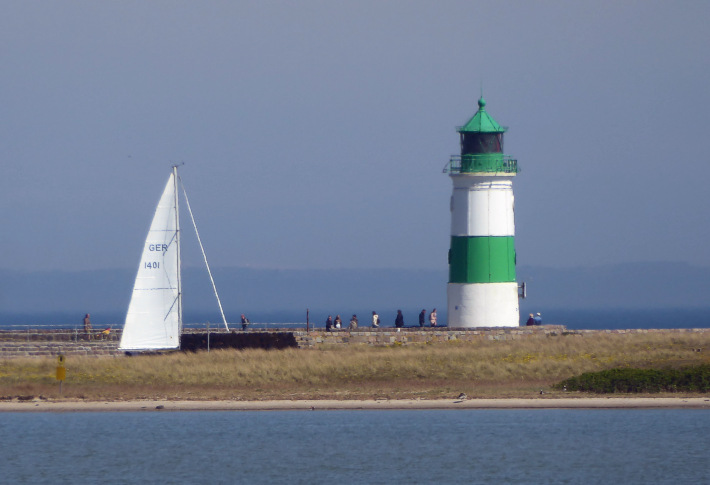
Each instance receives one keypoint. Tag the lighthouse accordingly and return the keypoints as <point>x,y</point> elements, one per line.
<point>482,289</point>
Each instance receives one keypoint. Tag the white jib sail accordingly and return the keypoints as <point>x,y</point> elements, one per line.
<point>154,317</point>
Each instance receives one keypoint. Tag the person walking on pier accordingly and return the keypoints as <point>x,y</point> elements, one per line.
<point>399,320</point>
<point>87,326</point>
<point>422,317</point>
<point>432,318</point>
<point>375,320</point>
<point>245,322</point>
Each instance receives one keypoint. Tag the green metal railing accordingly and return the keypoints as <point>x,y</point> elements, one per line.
<point>482,163</point>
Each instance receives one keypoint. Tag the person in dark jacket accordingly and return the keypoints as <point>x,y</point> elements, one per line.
<point>329,324</point>
<point>399,321</point>
<point>422,317</point>
<point>87,326</point>
<point>530,322</point>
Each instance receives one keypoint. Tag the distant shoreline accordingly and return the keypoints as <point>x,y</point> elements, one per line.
<point>323,405</point>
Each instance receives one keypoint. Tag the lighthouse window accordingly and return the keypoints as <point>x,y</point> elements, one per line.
<point>481,143</point>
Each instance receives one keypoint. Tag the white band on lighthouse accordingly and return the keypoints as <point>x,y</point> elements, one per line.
<point>483,205</point>
<point>483,305</point>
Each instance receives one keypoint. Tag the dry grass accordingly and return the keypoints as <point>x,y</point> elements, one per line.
<point>488,368</point>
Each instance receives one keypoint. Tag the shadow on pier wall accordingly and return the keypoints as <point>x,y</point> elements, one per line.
<point>193,342</point>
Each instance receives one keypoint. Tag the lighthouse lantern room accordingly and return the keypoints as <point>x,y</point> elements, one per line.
<point>482,289</point>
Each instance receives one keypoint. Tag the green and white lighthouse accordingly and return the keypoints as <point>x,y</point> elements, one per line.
<point>482,289</point>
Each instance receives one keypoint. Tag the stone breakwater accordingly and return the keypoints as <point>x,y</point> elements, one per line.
<point>408,336</point>
<point>44,343</point>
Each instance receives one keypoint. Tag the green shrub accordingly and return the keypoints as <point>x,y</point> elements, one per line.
<point>687,379</point>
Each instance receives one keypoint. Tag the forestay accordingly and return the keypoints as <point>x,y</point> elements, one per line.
<point>154,317</point>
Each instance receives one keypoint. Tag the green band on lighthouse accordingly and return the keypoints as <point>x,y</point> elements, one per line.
<point>482,259</point>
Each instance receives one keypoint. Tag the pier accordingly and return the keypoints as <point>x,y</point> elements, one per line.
<point>38,342</point>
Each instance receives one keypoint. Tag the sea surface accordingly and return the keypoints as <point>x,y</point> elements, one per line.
<point>573,319</point>
<point>343,447</point>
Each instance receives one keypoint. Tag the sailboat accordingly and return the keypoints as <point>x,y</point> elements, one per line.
<point>154,317</point>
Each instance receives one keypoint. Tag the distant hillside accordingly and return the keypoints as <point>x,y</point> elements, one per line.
<point>630,285</point>
<point>277,295</point>
<point>282,295</point>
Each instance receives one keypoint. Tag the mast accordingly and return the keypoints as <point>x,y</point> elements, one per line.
<point>177,242</point>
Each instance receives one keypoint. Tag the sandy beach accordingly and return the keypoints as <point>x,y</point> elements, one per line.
<point>321,405</point>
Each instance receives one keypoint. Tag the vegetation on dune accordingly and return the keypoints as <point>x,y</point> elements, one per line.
<point>488,368</point>
<point>687,379</point>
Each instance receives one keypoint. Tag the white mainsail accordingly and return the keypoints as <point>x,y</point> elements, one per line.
<point>154,318</point>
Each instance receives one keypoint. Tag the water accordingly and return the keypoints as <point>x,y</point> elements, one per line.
<point>605,318</point>
<point>461,446</point>
<point>574,319</point>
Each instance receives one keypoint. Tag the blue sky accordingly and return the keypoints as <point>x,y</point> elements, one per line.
<point>314,133</point>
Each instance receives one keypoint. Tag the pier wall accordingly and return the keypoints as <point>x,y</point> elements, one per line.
<point>46,343</point>
<point>417,335</point>
<point>409,336</point>
<point>43,343</point>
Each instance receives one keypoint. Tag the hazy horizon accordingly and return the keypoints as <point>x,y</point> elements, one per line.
<point>640,286</point>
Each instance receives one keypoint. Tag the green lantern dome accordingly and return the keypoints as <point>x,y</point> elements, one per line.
<point>482,147</point>
<point>481,122</point>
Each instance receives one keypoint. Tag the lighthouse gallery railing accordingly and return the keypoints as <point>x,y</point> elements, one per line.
<point>483,162</point>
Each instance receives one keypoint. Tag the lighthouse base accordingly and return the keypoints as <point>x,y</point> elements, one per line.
<point>483,305</point>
